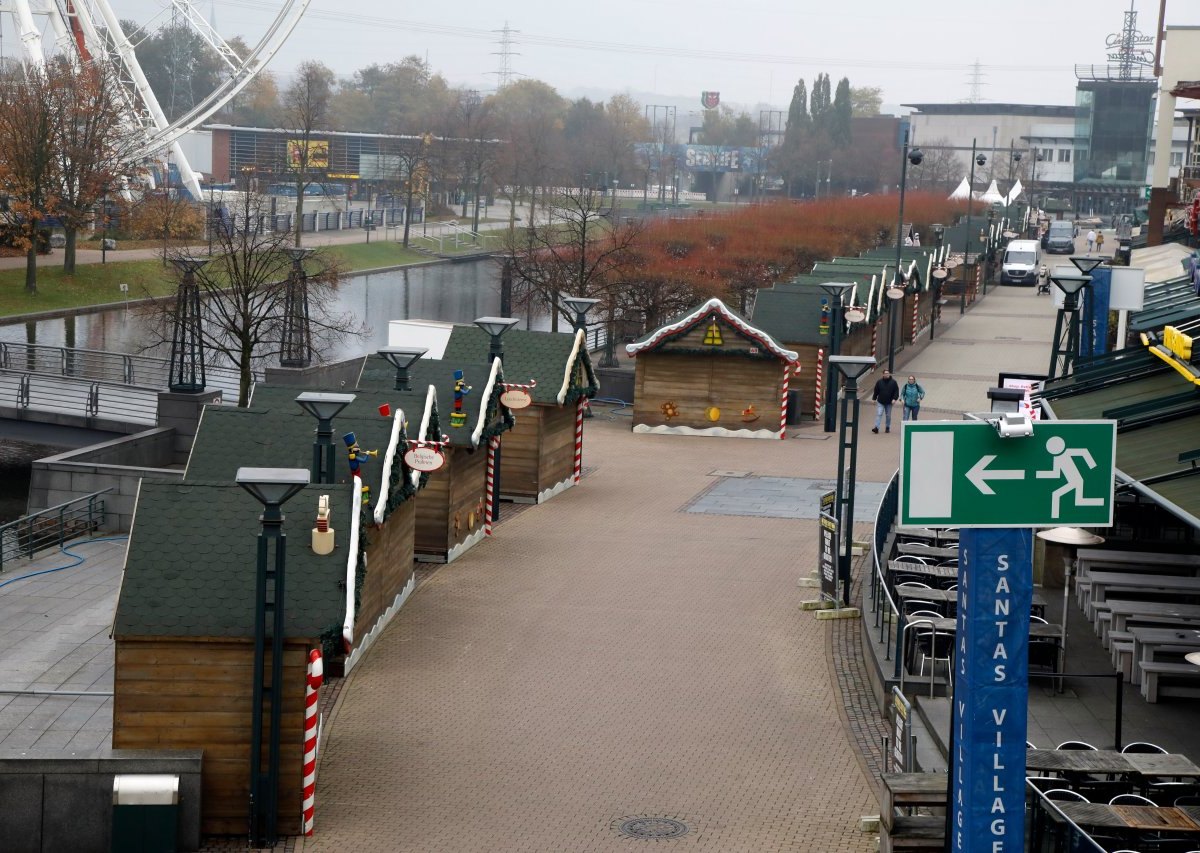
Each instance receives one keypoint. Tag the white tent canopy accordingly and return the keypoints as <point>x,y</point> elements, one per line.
<point>1015,192</point>
<point>962,191</point>
<point>992,194</point>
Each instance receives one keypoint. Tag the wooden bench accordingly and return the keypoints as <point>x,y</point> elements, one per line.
<point>1165,678</point>
<point>1122,655</point>
<point>917,833</point>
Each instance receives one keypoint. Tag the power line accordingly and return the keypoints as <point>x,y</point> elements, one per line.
<point>975,80</point>
<point>506,42</point>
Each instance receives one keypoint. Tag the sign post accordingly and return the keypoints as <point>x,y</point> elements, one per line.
<point>996,481</point>
<point>829,545</point>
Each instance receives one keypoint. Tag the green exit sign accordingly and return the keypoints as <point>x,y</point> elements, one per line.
<point>964,474</point>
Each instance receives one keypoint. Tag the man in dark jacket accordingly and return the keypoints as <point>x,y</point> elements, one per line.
<point>885,394</point>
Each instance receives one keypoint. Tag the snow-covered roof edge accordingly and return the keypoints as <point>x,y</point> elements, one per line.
<point>699,314</point>
<point>352,562</point>
<point>430,402</point>
<point>580,337</point>
<point>483,402</point>
<point>389,459</point>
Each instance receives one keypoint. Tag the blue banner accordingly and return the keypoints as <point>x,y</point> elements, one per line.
<point>991,690</point>
<point>1096,299</point>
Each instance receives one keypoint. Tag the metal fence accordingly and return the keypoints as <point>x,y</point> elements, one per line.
<point>51,527</point>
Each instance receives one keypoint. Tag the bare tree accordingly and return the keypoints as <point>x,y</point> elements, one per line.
<point>95,147</point>
<point>243,293</point>
<point>29,166</point>
<point>306,111</point>
<point>578,252</point>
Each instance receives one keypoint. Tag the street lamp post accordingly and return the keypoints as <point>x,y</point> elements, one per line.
<point>915,157</point>
<point>976,160</point>
<point>939,276</point>
<point>1014,160</point>
<point>272,487</point>
<point>1066,340</point>
<point>989,251</point>
<point>851,367</point>
<point>580,305</point>
<point>836,293</point>
<point>324,407</point>
<point>401,358</point>
<point>496,327</point>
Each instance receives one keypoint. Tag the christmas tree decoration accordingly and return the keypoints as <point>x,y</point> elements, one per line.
<point>712,335</point>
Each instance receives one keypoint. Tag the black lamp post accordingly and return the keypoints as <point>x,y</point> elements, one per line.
<point>939,277</point>
<point>989,251</point>
<point>580,305</point>
<point>836,292</point>
<point>1085,265</point>
<point>297,323</point>
<point>851,368</point>
<point>272,487</point>
<point>915,157</point>
<point>976,160</point>
<point>323,407</point>
<point>401,358</point>
<point>1066,341</point>
<point>496,327</point>
<point>187,339</point>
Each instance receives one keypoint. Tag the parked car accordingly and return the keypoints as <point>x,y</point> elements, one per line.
<point>1060,237</point>
<point>1021,262</point>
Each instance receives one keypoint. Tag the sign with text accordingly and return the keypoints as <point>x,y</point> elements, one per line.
<point>965,474</point>
<point>991,691</point>
<point>829,545</point>
<point>426,459</point>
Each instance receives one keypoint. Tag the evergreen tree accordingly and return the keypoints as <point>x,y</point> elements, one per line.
<point>839,126</point>
<point>821,102</point>
<point>798,120</point>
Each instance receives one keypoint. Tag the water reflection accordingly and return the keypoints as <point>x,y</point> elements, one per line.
<point>456,293</point>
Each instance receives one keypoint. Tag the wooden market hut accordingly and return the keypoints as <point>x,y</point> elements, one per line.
<point>452,510</point>
<point>711,372</point>
<point>184,634</point>
<point>184,624</point>
<point>539,453</point>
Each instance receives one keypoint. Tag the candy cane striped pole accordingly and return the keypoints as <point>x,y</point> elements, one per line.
<point>874,340</point>
<point>916,304</point>
<point>579,439</point>
<point>820,398</point>
<point>787,376</point>
<point>491,485</point>
<point>316,672</point>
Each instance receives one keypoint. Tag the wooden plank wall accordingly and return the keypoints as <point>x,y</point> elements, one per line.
<point>467,491</point>
<point>433,502</point>
<point>389,564</point>
<point>557,461</point>
<point>702,384</point>
<point>189,693</point>
<point>520,449</point>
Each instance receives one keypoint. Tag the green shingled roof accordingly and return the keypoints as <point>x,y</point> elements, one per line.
<point>379,377</point>
<point>543,356</point>
<point>190,569</point>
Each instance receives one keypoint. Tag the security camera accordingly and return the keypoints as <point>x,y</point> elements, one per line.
<point>1013,425</point>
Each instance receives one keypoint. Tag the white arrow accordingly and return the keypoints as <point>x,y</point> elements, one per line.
<point>979,475</point>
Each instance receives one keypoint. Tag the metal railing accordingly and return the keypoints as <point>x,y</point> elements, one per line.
<point>128,403</point>
<point>51,527</point>
<point>887,614</point>
<point>113,368</point>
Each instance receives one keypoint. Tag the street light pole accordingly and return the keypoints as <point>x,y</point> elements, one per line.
<point>915,157</point>
<point>324,407</point>
<point>976,160</point>
<point>939,276</point>
<point>836,293</point>
<point>272,487</point>
<point>851,367</point>
<point>495,327</point>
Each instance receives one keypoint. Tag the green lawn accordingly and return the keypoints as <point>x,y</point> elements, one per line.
<point>97,284</point>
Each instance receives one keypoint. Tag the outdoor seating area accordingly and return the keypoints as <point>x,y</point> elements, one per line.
<point>1140,799</point>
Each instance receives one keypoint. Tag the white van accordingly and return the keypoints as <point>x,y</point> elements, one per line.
<point>1022,259</point>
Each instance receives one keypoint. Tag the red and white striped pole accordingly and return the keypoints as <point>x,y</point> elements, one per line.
<point>783,397</point>
<point>491,485</point>
<point>819,382</point>
<point>874,340</point>
<point>579,438</point>
<point>916,305</point>
<point>316,675</point>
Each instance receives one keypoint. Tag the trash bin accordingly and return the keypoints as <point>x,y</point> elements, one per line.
<point>793,408</point>
<point>145,813</point>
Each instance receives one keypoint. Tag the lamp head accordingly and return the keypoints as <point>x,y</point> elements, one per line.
<point>980,160</point>
<point>916,156</point>
<point>1085,265</point>
<point>578,304</point>
<point>401,358</point>
<point>1016,156</point>
<point>272,487</point>
<point>298,253</point>
<point>835,289</point>
<point>496,326</point>
<point>324,407</point>
<point>852,366</point>
<point>1070,285</point>
<point>188,265</point>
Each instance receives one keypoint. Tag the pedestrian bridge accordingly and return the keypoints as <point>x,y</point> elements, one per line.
<point>67,396</point>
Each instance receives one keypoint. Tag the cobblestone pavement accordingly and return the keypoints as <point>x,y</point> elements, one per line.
<point>605,657</point>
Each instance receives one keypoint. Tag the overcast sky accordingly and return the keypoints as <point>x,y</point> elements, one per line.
<point>751,51</point>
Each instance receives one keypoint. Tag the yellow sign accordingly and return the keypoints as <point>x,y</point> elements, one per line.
<point>1178,343</point>
<point>341,176</point>
<point>317,154</point>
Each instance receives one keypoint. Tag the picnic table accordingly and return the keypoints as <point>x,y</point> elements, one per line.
<point>950,596</point>
<point>1126,611</point>
<point>1099,584</point>
<point>1149,642</point>
<point>1142,818</point>
<point>941,572</point>
<point>1110,762</point>
<point>948,626</point>
<point>937,538</point>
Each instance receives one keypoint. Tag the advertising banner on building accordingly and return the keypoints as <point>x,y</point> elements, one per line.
<point>318,154</point>
<point>991,690</point>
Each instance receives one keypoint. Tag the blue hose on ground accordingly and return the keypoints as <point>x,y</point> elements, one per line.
<point>79,559</point>
<point>620,404</point>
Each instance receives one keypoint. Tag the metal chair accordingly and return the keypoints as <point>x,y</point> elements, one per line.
<point>1140,746</point>
<point>1064,794</point>
<point>915,584</point>
<point>1131,800</point>
<point>1075,744</point>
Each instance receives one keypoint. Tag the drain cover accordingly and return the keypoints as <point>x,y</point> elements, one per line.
<point>652,827</point>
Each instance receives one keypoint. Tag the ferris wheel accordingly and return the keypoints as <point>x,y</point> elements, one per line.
<point>91,31</point>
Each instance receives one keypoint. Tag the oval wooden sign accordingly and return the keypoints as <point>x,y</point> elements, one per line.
<point>940,274</point>
<point>516,398</point>
<point>895,293</point>
<point>424,459</point>
<point>855,315</point>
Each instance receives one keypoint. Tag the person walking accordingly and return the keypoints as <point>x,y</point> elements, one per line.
<point>1100,241</point>
<point>884,394</point>
<point>912,395</point>
<point>1091,240</point>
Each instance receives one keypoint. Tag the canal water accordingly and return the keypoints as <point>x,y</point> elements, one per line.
<point>455,292</point>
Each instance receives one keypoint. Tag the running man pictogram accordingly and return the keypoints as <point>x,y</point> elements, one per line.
<point>1064,466</point>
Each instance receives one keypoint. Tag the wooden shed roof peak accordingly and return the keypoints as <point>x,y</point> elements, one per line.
<point>713,307</point>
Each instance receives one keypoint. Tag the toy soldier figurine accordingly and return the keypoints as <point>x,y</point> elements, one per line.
<point>356,453</point>
<point>461,389</point>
